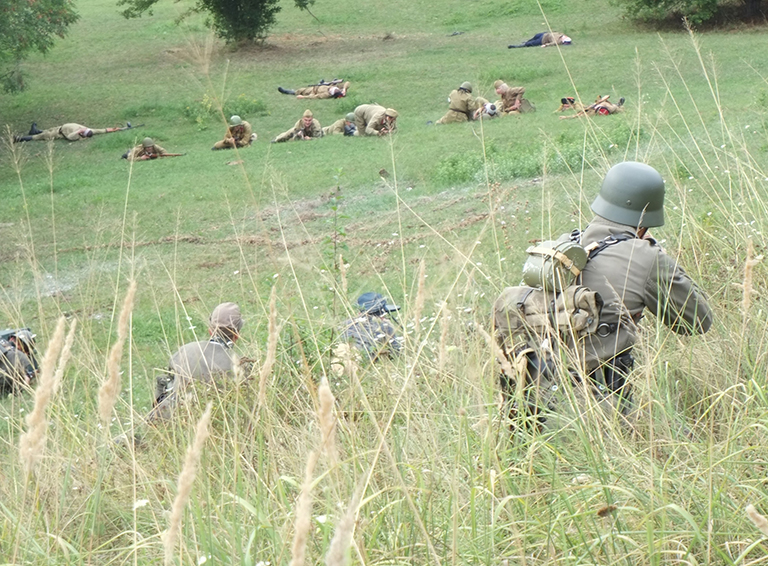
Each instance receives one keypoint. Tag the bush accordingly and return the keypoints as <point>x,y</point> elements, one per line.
<point>696,11</point>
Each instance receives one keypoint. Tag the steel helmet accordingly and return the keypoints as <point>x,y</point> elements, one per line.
<point>148,142</point>
<point>235,120</point>
<point>632,194</point>
<point>466,85</point>
<point>374,303</point>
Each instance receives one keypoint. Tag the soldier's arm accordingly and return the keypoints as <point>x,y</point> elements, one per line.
<point>676,299</point>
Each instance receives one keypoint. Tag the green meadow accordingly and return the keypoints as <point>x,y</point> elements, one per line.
<point>423,468</point>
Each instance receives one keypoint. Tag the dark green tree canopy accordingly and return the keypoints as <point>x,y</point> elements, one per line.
<point>696,11</point>
<point>232,20</point>
<point>29,25</point>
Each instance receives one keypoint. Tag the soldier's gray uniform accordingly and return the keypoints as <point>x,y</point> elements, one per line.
<point>630,276</point>
<point>16,369</point>
<point>205,361</point>
<point>373,335</point>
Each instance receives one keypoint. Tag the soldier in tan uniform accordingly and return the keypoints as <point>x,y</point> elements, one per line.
<point>239,134</point>
<point>344,126</point>
<point>320,91</point>
<point>307,128</point>
<point>462,106</point>
<point>206,361</point>
<point>511,97</point>
<point>147,149</point>
<point>375,120</point>
<point>545,39</point>
<point>69,132</point>
<point>602,106</point>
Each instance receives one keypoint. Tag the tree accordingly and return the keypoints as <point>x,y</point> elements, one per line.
<point>232,20</point>
<point>29,25</point>
<point>696,11</point>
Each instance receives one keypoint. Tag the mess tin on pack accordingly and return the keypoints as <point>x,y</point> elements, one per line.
<point>553,265</point>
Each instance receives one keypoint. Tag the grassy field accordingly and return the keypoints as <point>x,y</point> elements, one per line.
<point>423,468</point>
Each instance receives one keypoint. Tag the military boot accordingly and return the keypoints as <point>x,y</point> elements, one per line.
<point>33,130</point>
<point>22,138</point>
<point>286,90</point>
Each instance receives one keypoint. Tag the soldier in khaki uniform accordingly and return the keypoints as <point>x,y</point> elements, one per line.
<point>375,120</point>
<point>320,91</point>
<point>511,97</point>
<point>147,149</point>
<point>462,106</point>
<point>344,126</point>
<point>69,132</point>
<point>602,106</point>
<point>206,361</point>
<point>307,128</point>
<point>239,134</point>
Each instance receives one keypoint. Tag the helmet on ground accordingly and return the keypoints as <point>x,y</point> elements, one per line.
<point>350,117</point>
<point>466,85</point>
<point>374,303</point>
<point>632,194</point>
<point>147,142</point>
<point>235,120</point>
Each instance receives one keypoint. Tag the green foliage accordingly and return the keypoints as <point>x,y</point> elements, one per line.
<point>696,11</point>
<point>27,26</point>
<point>203,111</point>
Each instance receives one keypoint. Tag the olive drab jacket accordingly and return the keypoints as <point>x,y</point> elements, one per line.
<point>315,130</point>
<point>631,276</point>
<point>461,107</point>
<point>205,361</point>
<point>340,127</point>
<point>510,97</point>
<point>140,151</point>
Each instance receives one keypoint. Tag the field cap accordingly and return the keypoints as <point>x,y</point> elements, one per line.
<point>147,142</point>
<point>235,120</point>
<point>566,39</point>
<point>498,83</point>
<point>226,315</point>
<point>308,114</point>
<point>374,303</point>
<point>391,112</point>
<point>350,117</point>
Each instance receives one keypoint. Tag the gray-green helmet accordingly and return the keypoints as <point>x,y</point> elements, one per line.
<point>350,117</point>
<point>632,194</point>
<point>466,85</point>
<point>235,120</point>
<point>147,142</point>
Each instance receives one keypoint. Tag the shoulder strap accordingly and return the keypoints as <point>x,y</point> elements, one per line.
<point>596,247</point>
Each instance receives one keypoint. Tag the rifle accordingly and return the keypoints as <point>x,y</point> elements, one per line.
<point>128,126</point>
<point>323,83</point>
<point>167,155</point>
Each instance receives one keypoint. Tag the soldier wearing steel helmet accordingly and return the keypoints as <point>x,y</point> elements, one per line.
<point>633,273</point>
<point>147,149</point>
<point>344,126</point>
<point>239,134</point>
<point>371,331</point>
<point>462,106</point>
<point>18,359</point>
<point>205,361</point>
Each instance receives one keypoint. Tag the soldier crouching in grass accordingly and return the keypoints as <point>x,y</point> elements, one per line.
<point>371,332</point>
<point>206,361</point>
<point>375,120</point>
<point>239,134</point>
<point>462,106</point>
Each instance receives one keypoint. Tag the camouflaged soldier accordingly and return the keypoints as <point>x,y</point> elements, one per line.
<point>319,91</point>
<point>462,106</point>
<point>375,120</point>
<point>147,149</point>
<point>239,134</point>
<point>18,362</point>
<point>512,100</point>
<point>371,332</point>
<point>344,126</point>
<point>307,128</point>
<point>69,132</point>
<point>633,274</point>
<point>205,361</point>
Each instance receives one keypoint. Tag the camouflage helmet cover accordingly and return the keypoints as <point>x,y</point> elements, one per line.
<point>632,194</point>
